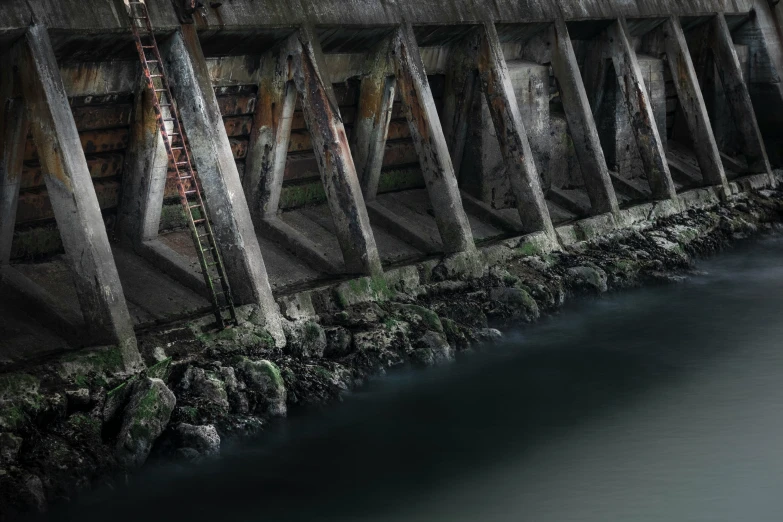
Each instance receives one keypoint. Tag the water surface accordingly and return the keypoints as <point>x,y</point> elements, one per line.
<point>660,404</point>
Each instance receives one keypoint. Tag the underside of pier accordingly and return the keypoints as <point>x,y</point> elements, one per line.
<point>339,139</point>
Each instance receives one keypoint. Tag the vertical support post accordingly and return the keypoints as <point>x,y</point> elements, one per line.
<point>511,134</point>
<point>219,177</point>
<point>430,144</point>
<point>338,172</point>
<point>461,84</point>
<point>581,123</point>
<point>73,197</point>
<point>269,137</point>
<point>738,96</point>
<point>146,170</point>
<point>648,140</point>
<point>376,100</point>
<point>13,135</point>
<point>692,103</point>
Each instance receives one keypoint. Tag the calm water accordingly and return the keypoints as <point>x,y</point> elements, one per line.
<point>662,404</point>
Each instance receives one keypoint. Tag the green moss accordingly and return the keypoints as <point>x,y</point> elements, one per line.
<point>323,373</point>
<point>147,408</point>
<point>12,384</point>
<point>528,249</point>
<point>172,216</point>
<point>400,179</point>
<point>85,423</point>
<point>36,242</point>
<point>311,332</point>
<point>380,288</point>
<point>293,196</point>
<point>190,413</point>
<point>119,388</point>
<point>12,417</point>
<point>160,370</point>
<point>274,373</point>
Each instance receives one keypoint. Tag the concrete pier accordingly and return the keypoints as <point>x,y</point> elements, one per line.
<point>350,141</point>
<point>72,196</point>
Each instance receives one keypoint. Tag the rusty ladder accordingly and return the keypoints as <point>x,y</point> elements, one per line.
<point>178,150</point>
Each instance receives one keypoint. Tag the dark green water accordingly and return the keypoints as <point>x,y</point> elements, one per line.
<point>661,404</point>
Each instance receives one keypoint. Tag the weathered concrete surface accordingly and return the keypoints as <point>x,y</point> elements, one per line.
<point>227,207</point>
<point>511,135</point>
<point>270,135</point>
<point>13,133</point>
<point>145,173</point>
<point>108,16</point>
<point>737,95</point>
<point>371,127</point>
<point>458,98</point>
<point>581,124</point>
<point>430,143</point>
<point>484,175</point>
<point>643,122</point>
<point>692,102</point>
<point>338,171</point>
<point>73,197</point>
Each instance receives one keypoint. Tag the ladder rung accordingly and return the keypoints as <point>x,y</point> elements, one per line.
<point>197,205</point>
<point>188,192</point>
<point>182,163</point>
<point>147,46</point>
<point>198,221</point>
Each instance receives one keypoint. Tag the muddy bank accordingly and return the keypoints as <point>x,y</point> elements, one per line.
<point>76,422</point>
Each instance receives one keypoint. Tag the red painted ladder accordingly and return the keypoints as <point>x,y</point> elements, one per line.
<point>178,150</point>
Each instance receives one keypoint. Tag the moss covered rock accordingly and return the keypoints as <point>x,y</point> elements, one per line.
<point>143,420</point>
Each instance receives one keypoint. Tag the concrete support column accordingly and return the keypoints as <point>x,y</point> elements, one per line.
<point>72,196</point>
<point>645,129</point>
<point>338,172</point>
<point>511,134</point>
<point>217,171</point>
<point>144,175</point>
<point>692,103</point>
<point>376,100</point>
<point>581,123</point>
<point>461,84</point>
<point>737,95</point>
<point>13,135</point>
<point>269,137</point>
<point>430,143</point>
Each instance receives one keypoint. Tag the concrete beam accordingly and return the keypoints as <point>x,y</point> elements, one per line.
<point>738,96</point>
<point>692,103</point>
<point>330,144</point>
<point>72,196</point>
<point>430,143</point>
<point>645,129</point>
<point>269,137</point>
<point>13,136</point>
<point>217,171</point>
<point>376,99</point>
<point>581,123</point>
<point>512,137</point>
<point>144,175</point>
<point>461,84</point>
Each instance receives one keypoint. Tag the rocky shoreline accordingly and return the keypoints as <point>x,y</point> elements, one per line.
<point>77,421</point>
